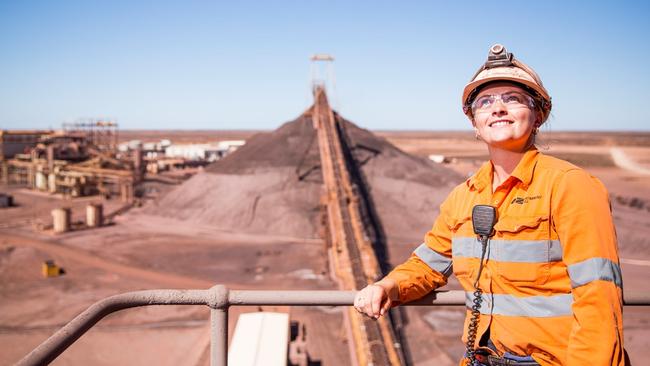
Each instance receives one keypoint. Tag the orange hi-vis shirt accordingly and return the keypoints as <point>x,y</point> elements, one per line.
<point>551,281</point>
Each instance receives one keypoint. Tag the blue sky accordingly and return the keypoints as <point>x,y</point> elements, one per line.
<point>245,64</point>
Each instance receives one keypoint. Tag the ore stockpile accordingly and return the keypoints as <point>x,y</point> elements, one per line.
<point>322,176</point>
<point>273,185</point>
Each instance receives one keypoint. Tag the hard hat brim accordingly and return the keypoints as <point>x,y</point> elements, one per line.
<point>501,76</point>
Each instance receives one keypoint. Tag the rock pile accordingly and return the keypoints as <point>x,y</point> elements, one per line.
<point>273,185</point>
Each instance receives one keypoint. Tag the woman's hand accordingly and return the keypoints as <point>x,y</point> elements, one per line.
<point>374,300</point>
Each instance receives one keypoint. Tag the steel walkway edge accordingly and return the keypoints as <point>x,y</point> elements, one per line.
<point>219,298</point>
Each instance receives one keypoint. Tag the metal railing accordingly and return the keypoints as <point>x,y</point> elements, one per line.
<point>219,298</point>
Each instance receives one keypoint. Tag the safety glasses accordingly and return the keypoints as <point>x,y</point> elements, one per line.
<point>512,99</point>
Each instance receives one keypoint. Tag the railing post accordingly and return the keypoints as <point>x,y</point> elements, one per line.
<point>219,342</point>
<point>219,305</point>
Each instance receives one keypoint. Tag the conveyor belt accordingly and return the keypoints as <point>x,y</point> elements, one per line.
<point>354,258</point>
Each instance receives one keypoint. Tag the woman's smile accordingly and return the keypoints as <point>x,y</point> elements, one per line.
<point>501,123</point>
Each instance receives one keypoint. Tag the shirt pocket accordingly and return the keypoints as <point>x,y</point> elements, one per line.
<point>463,245</point>
<point>455,223</point>
<point>522,249</point>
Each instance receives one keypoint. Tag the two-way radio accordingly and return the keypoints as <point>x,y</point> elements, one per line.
<point>483,219</point>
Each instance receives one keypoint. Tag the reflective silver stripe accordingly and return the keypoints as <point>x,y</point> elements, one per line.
<point>435,260</point>
<point>465,247</point>
<point>522,251</point>
<point>529,306</point>
<point>594,269</point>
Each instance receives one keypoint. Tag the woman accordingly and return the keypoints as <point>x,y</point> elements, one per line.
<point>547,286</point>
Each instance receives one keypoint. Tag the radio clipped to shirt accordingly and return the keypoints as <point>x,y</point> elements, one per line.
<point>484,217</point>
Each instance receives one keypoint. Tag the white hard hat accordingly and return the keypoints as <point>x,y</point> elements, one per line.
<point>502,66</point>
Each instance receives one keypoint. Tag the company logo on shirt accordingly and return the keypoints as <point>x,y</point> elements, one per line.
<point>522,200</point>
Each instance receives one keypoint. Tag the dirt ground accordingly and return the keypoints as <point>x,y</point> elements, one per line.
<point>139,250</point>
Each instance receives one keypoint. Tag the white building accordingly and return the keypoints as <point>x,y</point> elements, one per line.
<point>260,339</point>
<point>209,152</point>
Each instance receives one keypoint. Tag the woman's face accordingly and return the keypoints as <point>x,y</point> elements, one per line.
<point>504,116</point>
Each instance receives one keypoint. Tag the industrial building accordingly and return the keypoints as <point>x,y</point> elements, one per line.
<point>79,160</point>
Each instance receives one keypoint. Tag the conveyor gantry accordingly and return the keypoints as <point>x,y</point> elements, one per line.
<point>354,260</point>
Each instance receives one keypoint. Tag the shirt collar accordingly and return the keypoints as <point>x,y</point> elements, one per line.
<point>482,178</point>
<point>526,167</point>
<point>523,172</point>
